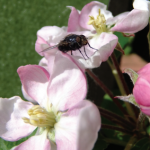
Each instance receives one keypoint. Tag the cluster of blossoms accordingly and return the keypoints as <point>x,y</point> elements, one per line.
<point>98,25</point>
<point>56,106</point>
<point>56,88</point>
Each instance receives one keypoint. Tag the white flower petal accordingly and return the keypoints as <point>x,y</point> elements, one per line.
<point>12,126</point>
<point>78,127</point>
<point>141,5</point>
<point>37,142</point>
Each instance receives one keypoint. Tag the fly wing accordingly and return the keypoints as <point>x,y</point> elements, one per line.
<point>49,48</point>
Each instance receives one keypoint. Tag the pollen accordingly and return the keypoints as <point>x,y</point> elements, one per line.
<point>99,23</point>
<point>40,117</point>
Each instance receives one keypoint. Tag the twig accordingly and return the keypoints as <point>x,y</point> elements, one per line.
<point>106,90</point>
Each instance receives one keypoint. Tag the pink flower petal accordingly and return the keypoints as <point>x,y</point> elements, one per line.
<point>44,63</point>
<point>114,20</point>
<point>105,44</point>
<point>92,9</point>
<point>78,128</point>
<point>68,83</point>
<point>142,4</point>
<point>12,126</point>
<point>49,36</point>
<point>38,142</point>
<point>26,96</point>
<point>52,34</point>
<point>107,41</point>
<point>135,21</point>
<point>73,22</point>
<point>145,110</point>
<point>34,79</point>
<point>141,92</point>
<point>40,45</point>
<point>145,70</point>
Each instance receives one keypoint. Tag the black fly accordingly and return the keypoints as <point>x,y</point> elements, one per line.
<point>72,42</point>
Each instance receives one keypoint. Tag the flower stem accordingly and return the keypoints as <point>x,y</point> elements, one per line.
<point>141,118</point>
<point>125,90</point>
<point>121,82</point>
<point>115,73</point>
<point>106,90</point>
<point>105,126</point>
<point>127,124</point>
<point>130,144</point>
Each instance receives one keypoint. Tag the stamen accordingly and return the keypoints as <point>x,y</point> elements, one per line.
<point>40,117</point>
<point>99,23</point>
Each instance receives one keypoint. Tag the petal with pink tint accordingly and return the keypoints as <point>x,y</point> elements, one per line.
<point>135,21</point>
<point>141,4</point>
<point>68,83</point>
<point>73,22</point>
<point>37,142</point>
<point>49,36</point>
<point>141,92</point>
<point>92,9</point>
<point>40,45</point>
<point>105,39</point>
<point>12,126</point>
<point>44,63</point>
<point>105,44</point>
<point>78,128</point>
<point>34,80</point>
<point>26,96</point>
<point>52,34</point>
<point>114,20</point>
<point>93,62</point>
<point>145,70</point>
<point>145,110</point>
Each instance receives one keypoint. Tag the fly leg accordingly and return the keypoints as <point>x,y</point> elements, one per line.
<point>91,47</point>
<point>85,52</point>
<point>81,53</point>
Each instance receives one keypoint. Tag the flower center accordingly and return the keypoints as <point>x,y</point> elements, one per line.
<point>40,117</point>
<point>99,23</point>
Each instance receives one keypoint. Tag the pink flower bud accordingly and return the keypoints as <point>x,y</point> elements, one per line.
<point>141,89</point>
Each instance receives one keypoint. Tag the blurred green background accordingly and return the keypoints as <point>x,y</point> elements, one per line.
<point>19,22</point>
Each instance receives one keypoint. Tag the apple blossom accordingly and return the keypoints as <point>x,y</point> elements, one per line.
<point>95,18</point>
<point>64,119</point>
<point>97,24</point>
<point>135,20</point>
<point>105,43</point>
<point>102,20</point>
<point>141,90</point>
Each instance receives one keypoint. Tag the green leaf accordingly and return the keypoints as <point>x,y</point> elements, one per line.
<point>108,104</point>
<point>142,144</point>
<point>146,146</point>
<point>7,145</point>
<point>3,145</point>
<point>125,43</point>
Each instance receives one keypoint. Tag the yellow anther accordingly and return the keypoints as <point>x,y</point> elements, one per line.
<point>99,23</point>
<point>40,117</point>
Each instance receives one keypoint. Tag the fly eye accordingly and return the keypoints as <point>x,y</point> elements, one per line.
<point>84,41</point>
<point>78,39</point>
